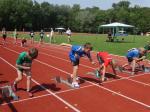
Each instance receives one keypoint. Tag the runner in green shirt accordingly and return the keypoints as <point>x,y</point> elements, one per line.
<point>147,47</point>
<point>23,65</point>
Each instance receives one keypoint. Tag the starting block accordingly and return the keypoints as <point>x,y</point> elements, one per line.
<point>141,69</point>
<point>7,91</point>
<point>67,82</point>
<point>146,69</point>
<point>94,73</point>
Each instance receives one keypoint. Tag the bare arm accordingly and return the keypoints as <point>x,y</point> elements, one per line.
<point>64,44</point>
<point>23,67</point>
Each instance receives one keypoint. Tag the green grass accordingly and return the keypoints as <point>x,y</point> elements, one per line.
<point>99,42</point>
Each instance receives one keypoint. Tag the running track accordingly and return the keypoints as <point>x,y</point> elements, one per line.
<point>127,94</point>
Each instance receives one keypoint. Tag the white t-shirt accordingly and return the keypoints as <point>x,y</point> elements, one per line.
<point>51,33</point>
<point>68,32</point>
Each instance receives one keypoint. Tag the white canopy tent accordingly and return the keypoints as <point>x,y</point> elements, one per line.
<point>116,24</point>
<point>60,30</point>
<point>116,27</point>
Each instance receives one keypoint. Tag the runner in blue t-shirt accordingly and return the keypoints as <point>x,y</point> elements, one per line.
<point>75,54</point>
<point>133,56</point>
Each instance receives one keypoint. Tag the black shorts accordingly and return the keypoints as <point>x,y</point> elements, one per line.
<point>129,59</point>
<point>24,41</point>
<point>32,36</point>
<point>69,34</point>
<point>4,37</point>
<point>75,63</point>
<point>41,37</point>
<point>100,60</point>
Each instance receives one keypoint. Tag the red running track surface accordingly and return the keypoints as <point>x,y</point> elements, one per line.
<point>127,94</point>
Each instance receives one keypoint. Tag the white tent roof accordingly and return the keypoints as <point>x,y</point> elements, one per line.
<point>116,24</point>
<point>60,28</point>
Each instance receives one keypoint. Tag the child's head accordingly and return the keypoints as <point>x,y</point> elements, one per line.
<point>33,53</point>
<point>88,47</point>
<point>142,51</point>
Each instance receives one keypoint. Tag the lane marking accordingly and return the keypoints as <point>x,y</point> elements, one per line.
<point>53,94</point>
<point>104,88</point>
<point>41,96</point>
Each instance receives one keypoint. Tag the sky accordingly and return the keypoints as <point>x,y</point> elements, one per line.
<point>102,4</point>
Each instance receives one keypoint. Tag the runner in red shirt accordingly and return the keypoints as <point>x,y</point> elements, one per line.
<point>105,60</point>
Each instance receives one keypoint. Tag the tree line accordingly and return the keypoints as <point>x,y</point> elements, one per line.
<point>32,15</point>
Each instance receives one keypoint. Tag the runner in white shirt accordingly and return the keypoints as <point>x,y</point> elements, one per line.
<point>68,32</point>
<point>52,38</point>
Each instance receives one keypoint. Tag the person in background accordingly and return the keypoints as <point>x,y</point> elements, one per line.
<point>4,35</point>
<point>32,37</point>
<point>68,32</point>
<point>41,37</point>
<point>15,36</point>
<point>52,38</point>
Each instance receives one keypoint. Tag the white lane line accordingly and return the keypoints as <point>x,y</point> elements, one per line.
<point>95,68</point>
<point>109,90</point>
<point>70,73</point>
<point>41,96</point>
<point>56,96</point>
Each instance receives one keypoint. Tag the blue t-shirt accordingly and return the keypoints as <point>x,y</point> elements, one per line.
<point>79,51</point>
<point>133,53</point>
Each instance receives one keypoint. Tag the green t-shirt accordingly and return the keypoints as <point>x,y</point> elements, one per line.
<point>15,34</point>
<point>23,59</point>
<point>147,47</point>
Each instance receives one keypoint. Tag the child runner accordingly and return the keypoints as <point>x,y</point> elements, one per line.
<point>74,55</point>
<point>105,60</point>
<point>23,64</point>
<point>134,56</point>
<point>4,34</point>
<point>52,38</point>
<point>41,36</point>
<point>68,32</point>
<point>15,36</point>
<point>23,42</point>
<point>32,37</point>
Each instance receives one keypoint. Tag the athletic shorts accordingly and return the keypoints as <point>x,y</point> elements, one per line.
<point>27,72</point>
<point>32,36</point>
<point>24,41</point>
<point>130,59</point>
<point>76,62</point>
<point>4,37</point>
<point>41,37</point>
<point>69,34</point>
<point>106,62</point>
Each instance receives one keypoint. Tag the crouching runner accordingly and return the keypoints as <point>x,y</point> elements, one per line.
<point>23,65</point>
<point>105,60</point>
<point>74,55</point>
<point>134,56</point>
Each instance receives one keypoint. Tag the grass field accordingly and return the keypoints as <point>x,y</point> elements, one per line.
<point>99,42</point>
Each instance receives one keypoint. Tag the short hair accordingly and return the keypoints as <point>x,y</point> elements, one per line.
<point>141,49</point>
<point>88,46</point>
<point>33,52</point>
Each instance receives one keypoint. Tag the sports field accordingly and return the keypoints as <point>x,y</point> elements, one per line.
<point>99,41</point>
